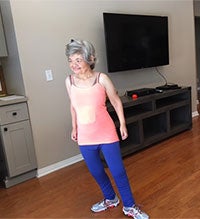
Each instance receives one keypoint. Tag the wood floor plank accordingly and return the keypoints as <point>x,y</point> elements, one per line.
<point>164,178</point>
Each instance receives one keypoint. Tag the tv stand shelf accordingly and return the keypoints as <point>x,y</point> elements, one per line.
<point>154,117</point>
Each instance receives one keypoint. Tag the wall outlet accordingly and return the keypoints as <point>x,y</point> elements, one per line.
<point>49,75</point>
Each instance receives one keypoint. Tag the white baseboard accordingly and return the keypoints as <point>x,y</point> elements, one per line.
<point>51,168</point>
<point>195,114</point>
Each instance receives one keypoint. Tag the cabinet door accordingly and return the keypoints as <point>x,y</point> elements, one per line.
<point>18,148</point>
<point>3,48</point>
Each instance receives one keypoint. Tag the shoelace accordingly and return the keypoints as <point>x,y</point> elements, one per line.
<point>136,207</point>
<point>132,211</point>
<point>107,202</point>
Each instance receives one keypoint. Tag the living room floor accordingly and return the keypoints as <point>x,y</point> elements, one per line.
<point>164,178</point>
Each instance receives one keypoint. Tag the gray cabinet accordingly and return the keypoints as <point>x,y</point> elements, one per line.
<point>16,140</point>
<point>3,48</point>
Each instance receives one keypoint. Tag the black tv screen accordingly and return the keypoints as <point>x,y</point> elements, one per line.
<point>135,41</point>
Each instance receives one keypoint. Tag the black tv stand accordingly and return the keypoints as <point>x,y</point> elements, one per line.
<point>154,117</point>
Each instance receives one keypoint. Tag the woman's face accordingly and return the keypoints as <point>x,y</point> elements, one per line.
<point>77,64</point>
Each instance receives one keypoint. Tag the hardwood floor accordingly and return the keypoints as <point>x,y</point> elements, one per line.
<point>165,180</point>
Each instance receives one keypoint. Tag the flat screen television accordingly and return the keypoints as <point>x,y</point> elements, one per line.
<point>135,41</point>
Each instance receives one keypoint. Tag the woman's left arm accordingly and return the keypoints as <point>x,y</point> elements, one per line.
<point>116,103</point>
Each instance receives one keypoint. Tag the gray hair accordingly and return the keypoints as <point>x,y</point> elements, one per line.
<point>85,48</point>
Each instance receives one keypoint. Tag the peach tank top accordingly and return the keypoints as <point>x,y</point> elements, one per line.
<point>95,126</point>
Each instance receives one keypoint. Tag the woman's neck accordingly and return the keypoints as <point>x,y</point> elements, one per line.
<point>85,80</point>
<point>85,76</point>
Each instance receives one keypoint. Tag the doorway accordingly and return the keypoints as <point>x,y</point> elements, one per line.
<point>197,37</point>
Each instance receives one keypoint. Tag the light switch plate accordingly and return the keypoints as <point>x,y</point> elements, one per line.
<point>49,75</point>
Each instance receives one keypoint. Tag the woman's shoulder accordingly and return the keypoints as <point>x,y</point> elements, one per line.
<point>103,76</point>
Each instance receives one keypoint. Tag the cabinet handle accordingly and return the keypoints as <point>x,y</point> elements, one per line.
<point>14,114</point>
<point>5,129</point>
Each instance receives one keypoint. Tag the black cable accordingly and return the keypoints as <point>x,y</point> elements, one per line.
<point>161,76</point>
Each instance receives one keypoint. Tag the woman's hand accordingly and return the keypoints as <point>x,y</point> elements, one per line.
<point>74,135</point>
<point>124,132</point>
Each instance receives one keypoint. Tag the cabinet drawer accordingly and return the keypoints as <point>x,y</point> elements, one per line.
<point>13,113</point>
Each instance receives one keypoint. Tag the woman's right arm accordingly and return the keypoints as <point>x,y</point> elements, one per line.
<point>74,125</point>
<point>73,113</point>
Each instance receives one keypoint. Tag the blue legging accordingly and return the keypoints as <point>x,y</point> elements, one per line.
<point>112,155</point>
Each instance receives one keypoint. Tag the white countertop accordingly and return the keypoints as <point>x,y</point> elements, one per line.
<point>12,99</point>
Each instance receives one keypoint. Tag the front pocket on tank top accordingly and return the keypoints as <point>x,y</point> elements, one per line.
<point>86,115</point>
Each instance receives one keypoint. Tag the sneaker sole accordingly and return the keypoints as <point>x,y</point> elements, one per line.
<point>108,207</point>
<point>128,214</point>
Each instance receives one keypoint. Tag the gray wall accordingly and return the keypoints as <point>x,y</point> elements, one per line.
<point>43,28</point>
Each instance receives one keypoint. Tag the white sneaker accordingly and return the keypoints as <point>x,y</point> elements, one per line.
<point>135,212</point>
<point>105,204</point>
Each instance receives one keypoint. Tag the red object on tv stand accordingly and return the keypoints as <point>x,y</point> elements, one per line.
<point>134,96</point>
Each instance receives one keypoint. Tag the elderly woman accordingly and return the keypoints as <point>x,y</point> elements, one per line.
<point>94,130</point>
